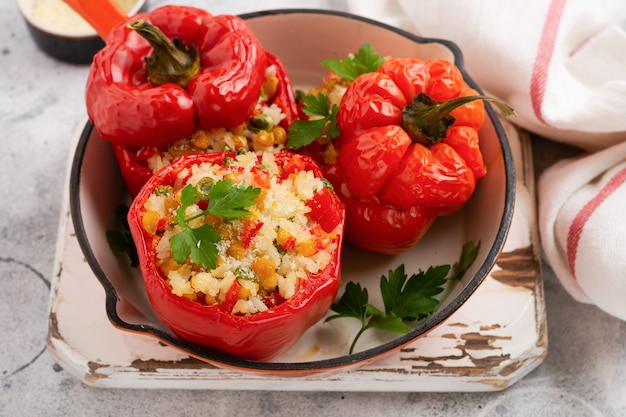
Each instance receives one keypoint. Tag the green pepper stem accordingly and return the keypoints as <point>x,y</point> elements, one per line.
<point>427,120</point>
<point>171,61</point>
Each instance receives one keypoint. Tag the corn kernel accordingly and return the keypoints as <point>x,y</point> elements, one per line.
<point>181,147</point>
<point>240,142</point>
<point>285,239</point>
<point>200,139</point>
<point>306,248</point>
<point>233,177</point>
<point>280,135</point>
<point>243,293</point>
<point>170,203</point>
<point>269,282</point>
<point>184,270</point>
<point>264,138</point>
<point>260,200</point>
<point>209,299</point>
<point>190,296</point>
<point>265,271</point>
<point>168,265</point>
<point>270,86</point>
<point>262,266</point>
<point>239,130</point>
<point>226,231</point>
<point>236,250</point>
<point>150,221</point>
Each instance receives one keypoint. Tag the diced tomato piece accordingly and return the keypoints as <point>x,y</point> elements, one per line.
<point>325,210</point>
<point>146,152</point>
<point>294,165</point>
<point>249,230</point>
<point>273,299</point>
<point>231,297</point>
<point>261,177</point>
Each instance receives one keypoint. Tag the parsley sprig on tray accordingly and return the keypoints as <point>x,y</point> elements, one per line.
<point>405,298</point>
<point>225,199</point>
<point>119,237</point>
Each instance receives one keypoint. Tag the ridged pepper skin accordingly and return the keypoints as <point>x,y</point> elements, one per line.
<point>261,336</point>
<point>132,161</point>
<point>395,186</point>
<point>131,111</point>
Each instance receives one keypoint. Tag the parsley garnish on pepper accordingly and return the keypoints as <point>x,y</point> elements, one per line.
<point>304,132</point>
<point>323,116</point>
<point>405,298</point>
<point>350,67</point>
<point>225,199</point>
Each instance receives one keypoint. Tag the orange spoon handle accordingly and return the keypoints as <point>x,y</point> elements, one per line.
<point>102,15</point>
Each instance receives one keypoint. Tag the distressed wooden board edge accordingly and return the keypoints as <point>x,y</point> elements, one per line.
<point>486,375</point>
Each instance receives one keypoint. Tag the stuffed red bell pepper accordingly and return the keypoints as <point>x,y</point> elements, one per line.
<point>406,149</point>
<point>239,252</point>
<point>179,80</point>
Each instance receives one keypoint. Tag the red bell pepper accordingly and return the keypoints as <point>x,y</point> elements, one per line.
<point>137,102</point>
<point>133,161</point>
<point>408,151</point>
<point>143,95</point>
<point>257,336</point>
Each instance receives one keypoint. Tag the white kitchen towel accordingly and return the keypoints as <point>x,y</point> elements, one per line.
<point>582,207</point>
<point>561,64</point>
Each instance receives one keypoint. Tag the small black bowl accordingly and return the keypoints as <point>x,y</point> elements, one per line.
<point>76,47</point>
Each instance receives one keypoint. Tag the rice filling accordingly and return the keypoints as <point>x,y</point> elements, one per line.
<point>266,265</point>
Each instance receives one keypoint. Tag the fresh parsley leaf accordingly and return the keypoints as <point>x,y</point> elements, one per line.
<point>324,120</point>
<point>413,298</point>
<point>388,323</point>
<point>226,200</point>
<point>468,256</point>
<point>316,104</point>
<point>230,200</point>
<point>187,198</point>
<point>119,238</point>
<point>323,116</point>
<point>205,249</point>
<point>353,303</point>
<point>200,242</point>
<point>300,94</point>
<point>405,298</point>
<point>350,67</point>
<point>117,241</point>
<point>304,132</point>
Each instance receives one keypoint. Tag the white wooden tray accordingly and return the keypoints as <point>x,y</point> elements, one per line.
<point>491,342</point>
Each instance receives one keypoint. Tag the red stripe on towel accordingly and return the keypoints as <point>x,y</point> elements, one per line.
<point>579,222</point>
<point>539,77</point>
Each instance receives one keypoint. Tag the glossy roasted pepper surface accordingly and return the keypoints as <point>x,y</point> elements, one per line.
<point>143,106</point>
<point>265,334</point>
<point>408,151</point>
<point>129,109</point>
